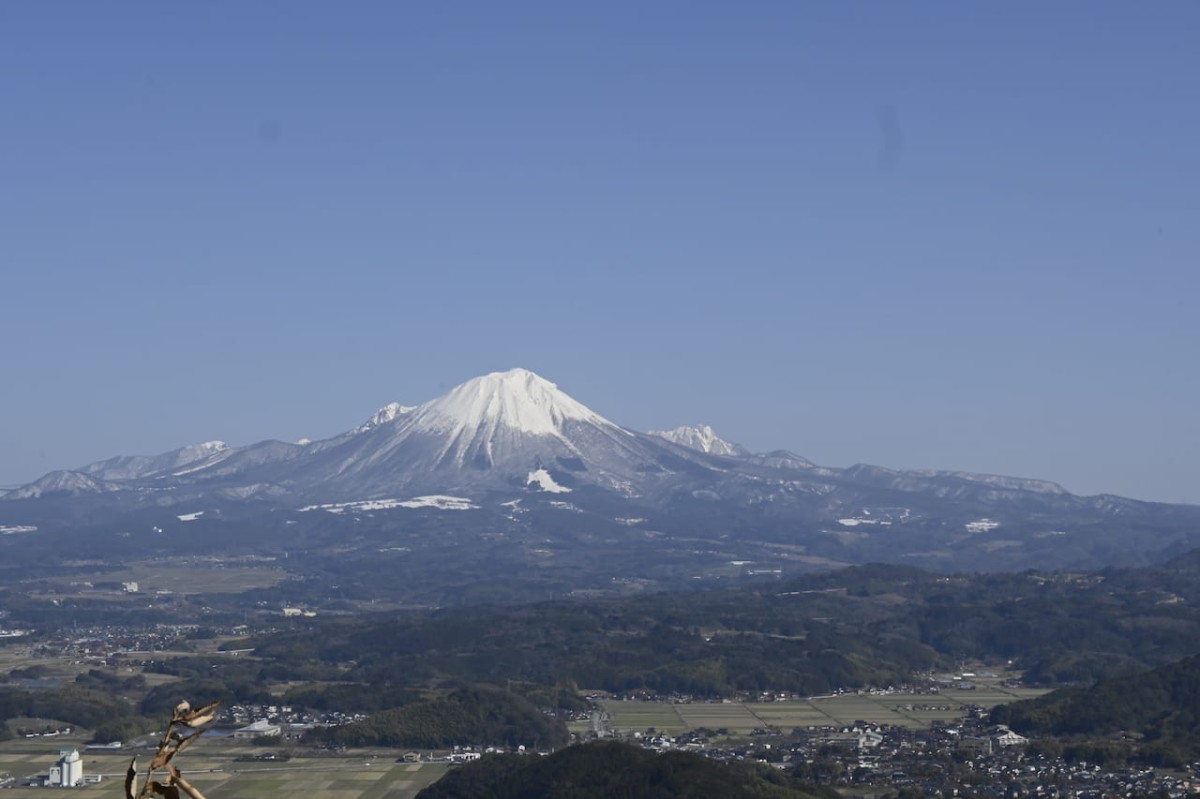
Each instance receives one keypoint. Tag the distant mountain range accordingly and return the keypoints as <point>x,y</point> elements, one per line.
<point>514,437</point>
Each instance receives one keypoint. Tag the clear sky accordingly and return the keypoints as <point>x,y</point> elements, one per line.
<point>933,235</point>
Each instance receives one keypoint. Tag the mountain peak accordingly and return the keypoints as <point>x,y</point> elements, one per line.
<point>388,413</point>
<point>700,437</point>
<point>203,450</point>
<point>517,399</point>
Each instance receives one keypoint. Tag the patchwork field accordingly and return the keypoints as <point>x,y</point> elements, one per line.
<point>180,578</point>
<point>365,774</point>
<point>17,654</point>
<point>899,709</point>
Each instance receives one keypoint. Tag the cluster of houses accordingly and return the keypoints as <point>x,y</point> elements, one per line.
<point>968,758</point>
<point>110,644</point>
<point>285,721</point>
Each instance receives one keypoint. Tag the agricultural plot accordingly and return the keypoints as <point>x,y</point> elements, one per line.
<point>216,772</point>
<point>205,578</point>
<point>902,710</point>
<point>659,716</point>
<point>19,656</point>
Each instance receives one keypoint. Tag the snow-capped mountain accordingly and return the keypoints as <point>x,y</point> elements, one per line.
<point>513,437</point>
<point>507,430</point>
<point>702,438</point>
<point>491,431</point>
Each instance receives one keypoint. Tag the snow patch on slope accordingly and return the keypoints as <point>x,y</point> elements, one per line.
<point>542,478</point>
<point>437,502</point>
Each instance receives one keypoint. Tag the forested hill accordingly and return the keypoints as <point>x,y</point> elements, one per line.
<point>613,770</point>
<point>1162,706</point>
<point>866,625</point>
<point>464,716</point>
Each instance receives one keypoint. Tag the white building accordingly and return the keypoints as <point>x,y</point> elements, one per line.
<point>256,729</point>
<point>68,771</point>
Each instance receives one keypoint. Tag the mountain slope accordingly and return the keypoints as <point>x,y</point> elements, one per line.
<point>1161,705</point>
<point>132,467</point>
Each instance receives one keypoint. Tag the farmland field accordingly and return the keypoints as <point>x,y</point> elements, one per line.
<point>180,577</point>
<point>899,709</point>
<point>213,768</point>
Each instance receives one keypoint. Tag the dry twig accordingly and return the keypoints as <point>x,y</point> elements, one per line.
<point>186,726</point>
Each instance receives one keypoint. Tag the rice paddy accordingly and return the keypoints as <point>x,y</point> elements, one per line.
<point>899,709</point>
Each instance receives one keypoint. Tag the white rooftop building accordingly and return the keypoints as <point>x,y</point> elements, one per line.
<point>1006,737</point>
<point>256,729</point>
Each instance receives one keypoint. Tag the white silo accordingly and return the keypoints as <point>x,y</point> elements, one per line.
<point>70,768</point>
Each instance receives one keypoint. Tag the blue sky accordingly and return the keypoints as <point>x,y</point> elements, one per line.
<point>933,235</point>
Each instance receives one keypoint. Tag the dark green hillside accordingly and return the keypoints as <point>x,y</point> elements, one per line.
<point>867,625</point>
<point>467,716</point>
<point>612,771</point>
<point>1161,705</point>
<point>711,643</point>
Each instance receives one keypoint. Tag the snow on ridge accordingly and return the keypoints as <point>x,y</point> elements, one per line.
<point>60,481</point>
<point>203,449</point>
<point>998,481</point>
<point>700,437</point>
<point>196,456</point>
<point>388,413</point>
<point>436,501</point>
<point>546,482</point>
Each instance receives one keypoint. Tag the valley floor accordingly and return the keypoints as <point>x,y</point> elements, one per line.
<point>893,708</point>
